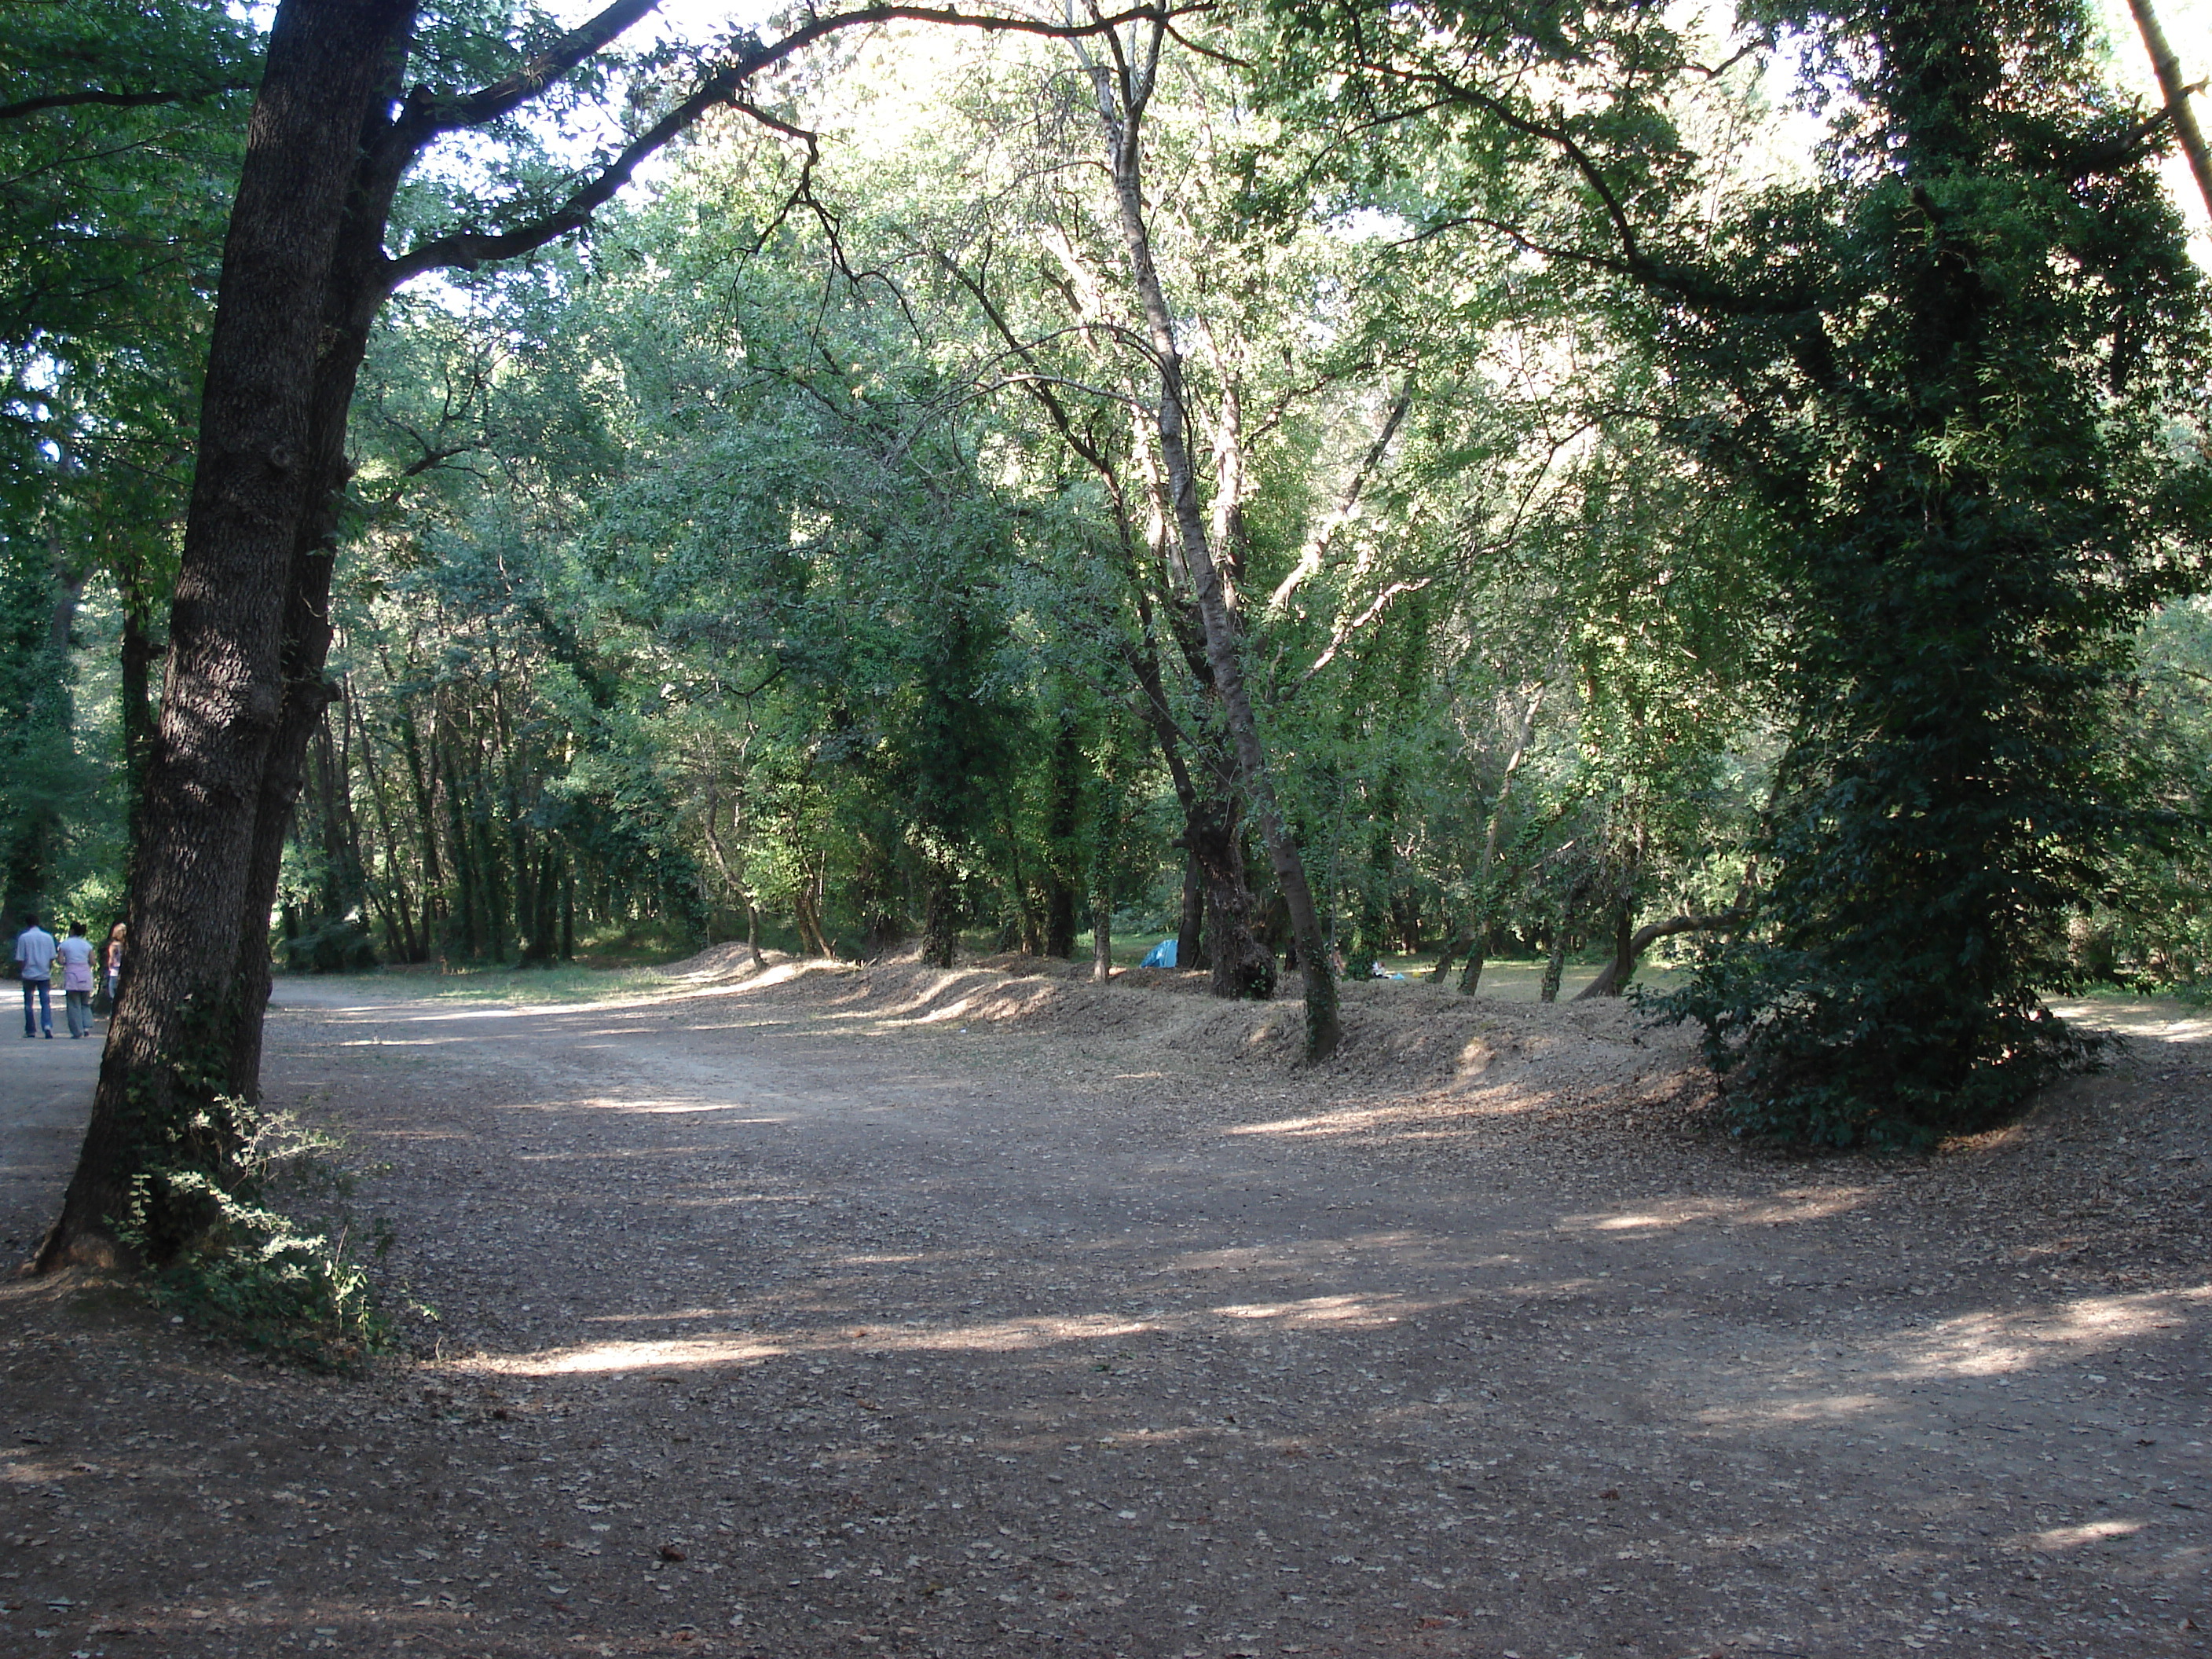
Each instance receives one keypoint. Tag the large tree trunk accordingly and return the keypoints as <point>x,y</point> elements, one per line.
<point>240,691</point>
<point>1122,93</point>
<point>1243,966</point>
<point>1190,920</point>
<point>348,298</point>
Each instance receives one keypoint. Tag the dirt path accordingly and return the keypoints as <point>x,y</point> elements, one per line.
<point>851,1316</point>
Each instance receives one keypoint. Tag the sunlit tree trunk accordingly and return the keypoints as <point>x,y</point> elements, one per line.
<point>241,692</point>
<point>2177,91</point>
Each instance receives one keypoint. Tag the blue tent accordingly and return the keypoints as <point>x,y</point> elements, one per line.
<point>1162,955</point>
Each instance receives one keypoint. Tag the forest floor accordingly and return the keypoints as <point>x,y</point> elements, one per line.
<point>879,1311</point>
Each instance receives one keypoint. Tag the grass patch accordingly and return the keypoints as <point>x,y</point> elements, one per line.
<point>528,986</point>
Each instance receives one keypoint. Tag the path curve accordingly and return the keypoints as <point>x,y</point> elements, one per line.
<point>780,1322</point>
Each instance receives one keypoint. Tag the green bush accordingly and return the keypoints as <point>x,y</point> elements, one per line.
<point>1821,1058</point>
<point>222,1254</point>
<point>338,947</point>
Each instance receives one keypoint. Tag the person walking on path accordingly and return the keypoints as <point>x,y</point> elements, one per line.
<point>114,962</point>
<point>76,952</point>
<point>34,961</point>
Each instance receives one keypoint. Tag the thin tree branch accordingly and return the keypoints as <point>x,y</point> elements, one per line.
<point>107,99</point>
<point>1345,630</point>
<point>723,86</point>
<point>1316,550</point>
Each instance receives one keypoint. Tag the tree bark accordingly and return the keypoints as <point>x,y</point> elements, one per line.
<point>1122,93</point>
<point>1062,864</point>
<point>1613,977</point>
<point>1102,939</point>
<point>1243,966</point>
<point>1190,922</point>
<point>199,917</point>
<point>1555,966</point>
<point>2167,68</point>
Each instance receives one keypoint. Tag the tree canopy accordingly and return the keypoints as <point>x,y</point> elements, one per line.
<point>1324,480</point>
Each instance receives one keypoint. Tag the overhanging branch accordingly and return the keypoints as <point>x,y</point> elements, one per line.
<point>101,97</point>
<point>723,86</point>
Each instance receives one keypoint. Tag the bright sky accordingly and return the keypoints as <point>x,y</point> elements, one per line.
<point>2188,26</point>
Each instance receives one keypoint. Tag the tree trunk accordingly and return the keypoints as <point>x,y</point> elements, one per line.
<point>467,878</point>
<point>405,946</point>
<point>1628,951</point>
<point>1102,939</point>
<point>236,692</point>
<point>372,37</point>
<point>2168,70</point>
<point>139,655</point>
<point>1478,957</point>
<point>1122,94</point>
<point>1243,966</point>
<point>1474,935</point>
<point>493,884</point>
<point>422,787</point>
<point>940,924</point>
<point>1555,965</point>
<point>1063,865</point>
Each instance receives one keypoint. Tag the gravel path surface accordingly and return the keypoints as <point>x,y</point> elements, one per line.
<point>884,1313</point>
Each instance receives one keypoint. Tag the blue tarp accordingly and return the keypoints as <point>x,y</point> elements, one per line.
<point>1162,955</point>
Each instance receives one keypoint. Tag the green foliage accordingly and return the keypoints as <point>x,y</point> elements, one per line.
<point>210,1212</point>
<point>45,777</point>
<point>2151,928</point>
<point>339,945</point>
<point>1627,521</point>
<point>1988,502</point>
<point>119,144</point>
<point>243,1268</point>
<point>1863,1056</point>
<point>1951,368</point>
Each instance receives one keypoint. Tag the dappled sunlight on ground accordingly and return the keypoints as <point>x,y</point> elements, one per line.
<point>1031,1333</point>
<point>1406,1119</point>
<point>1995,1343</point>
<point>1777,1210</point>
<point>782,1316</point>
<point>2140,1017</point>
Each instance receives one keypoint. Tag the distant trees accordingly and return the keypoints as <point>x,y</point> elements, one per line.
<point>120,128</point>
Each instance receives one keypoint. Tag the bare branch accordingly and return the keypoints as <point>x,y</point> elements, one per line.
<point>100,96</point>
<point>2168,70</point>
<point>1316,552</point>
<point>1346,629</point>
<point>510,92</point>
